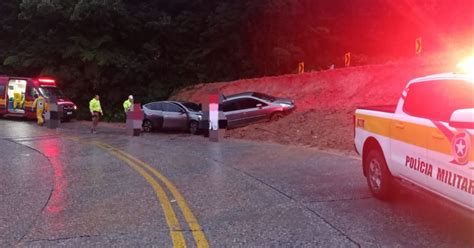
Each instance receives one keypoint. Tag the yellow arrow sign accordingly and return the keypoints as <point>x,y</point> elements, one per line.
<point>347,59</point>
<point>301,67</point>
<point>418,47</point>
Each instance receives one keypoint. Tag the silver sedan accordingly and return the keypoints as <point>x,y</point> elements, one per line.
<point>172,115</point>
<point>250,107</point>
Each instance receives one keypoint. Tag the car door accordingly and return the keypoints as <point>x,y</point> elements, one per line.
<point>29,100</point>
<point>450,149</point>
<point>154,113</point>
<point>174,116</point>
<point>233,112</point>
<point>408,141</point>
<point>252,110</point>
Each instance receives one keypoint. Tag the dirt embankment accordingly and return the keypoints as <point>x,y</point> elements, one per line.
<point>325,100</point>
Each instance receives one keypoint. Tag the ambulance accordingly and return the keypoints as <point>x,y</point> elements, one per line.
<point>17,97</point>
<point>426,139</point>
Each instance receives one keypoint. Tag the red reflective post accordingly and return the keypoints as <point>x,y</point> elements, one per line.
<point>134,120</point>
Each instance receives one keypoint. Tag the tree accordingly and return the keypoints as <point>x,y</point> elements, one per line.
<point>151,48</point>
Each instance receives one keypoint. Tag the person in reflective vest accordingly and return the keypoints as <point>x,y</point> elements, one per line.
<point>41,106</point>
<point>96,112</point>
<point>16,99</point>
<point>128,104</point>
<point>22,103</point>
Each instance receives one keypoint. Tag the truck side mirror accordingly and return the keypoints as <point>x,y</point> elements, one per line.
<point>462,118</point>
<point>259,105</point>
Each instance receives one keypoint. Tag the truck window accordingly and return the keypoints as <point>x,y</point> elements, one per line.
<point>51,91</point>
<point>437,100</point>
<point>2,90</point>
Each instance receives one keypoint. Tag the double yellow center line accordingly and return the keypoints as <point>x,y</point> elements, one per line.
<point>151,174</point>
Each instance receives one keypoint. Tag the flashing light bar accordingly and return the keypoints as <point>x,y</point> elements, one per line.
<point>46,80</point>
<point>467,65</point>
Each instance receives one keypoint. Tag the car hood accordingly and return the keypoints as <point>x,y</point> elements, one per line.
<point>195,112</point>
<point>63,100</point>
<point>284,101</point>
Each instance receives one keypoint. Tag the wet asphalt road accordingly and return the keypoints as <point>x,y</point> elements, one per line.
<point>67,187</point>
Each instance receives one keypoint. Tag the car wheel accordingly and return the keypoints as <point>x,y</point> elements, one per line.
<point>147,126</point>
<point>276,116</point>
<point>193,127</point>
<point>379,178</point>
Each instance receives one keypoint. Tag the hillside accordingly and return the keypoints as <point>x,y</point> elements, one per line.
<point>326,100</point>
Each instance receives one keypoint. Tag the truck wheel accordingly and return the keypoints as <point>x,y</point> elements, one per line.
<point>193,127</point>
<point>147,126</point>
<point>379,178</point>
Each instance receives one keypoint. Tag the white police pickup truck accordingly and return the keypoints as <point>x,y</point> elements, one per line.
<point>425,139</point>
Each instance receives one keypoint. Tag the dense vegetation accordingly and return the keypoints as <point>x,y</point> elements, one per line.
<point>150,48</point>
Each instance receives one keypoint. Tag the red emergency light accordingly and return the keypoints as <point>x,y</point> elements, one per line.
<point>46,80</point>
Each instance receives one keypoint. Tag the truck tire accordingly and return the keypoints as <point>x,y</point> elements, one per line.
<point>379,179</point>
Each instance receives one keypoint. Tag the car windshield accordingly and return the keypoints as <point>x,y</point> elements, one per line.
<point>192,106</point>
<point>51,91</point>
<point>264,96</point>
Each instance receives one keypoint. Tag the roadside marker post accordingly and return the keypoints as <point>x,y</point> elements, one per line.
<point>217,122</point>
<point>134,120</point>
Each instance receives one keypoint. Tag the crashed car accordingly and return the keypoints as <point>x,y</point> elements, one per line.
<point>172,115</point>
<point>250,107</point>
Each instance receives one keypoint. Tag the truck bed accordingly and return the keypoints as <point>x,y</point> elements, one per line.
<point>381,108</point>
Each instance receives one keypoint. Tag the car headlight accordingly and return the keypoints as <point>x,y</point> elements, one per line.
<point>286,105</point>
<point>75,107</point>
<point>199,117</point>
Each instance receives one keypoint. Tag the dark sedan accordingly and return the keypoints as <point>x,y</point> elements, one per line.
<point>172,115</point>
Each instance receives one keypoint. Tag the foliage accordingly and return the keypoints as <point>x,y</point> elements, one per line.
<point>150,48</point>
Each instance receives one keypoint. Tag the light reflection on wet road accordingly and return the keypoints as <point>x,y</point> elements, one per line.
<point>58,188</point>
<point>51,149</point>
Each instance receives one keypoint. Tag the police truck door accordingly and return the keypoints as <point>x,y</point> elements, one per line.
<point>409,131</point>
<point>450,148</point>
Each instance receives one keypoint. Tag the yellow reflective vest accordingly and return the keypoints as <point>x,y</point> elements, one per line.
<point>40,104</point>
<point>17,96</point>
<point>127,105</point>
<point>94,105</point>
